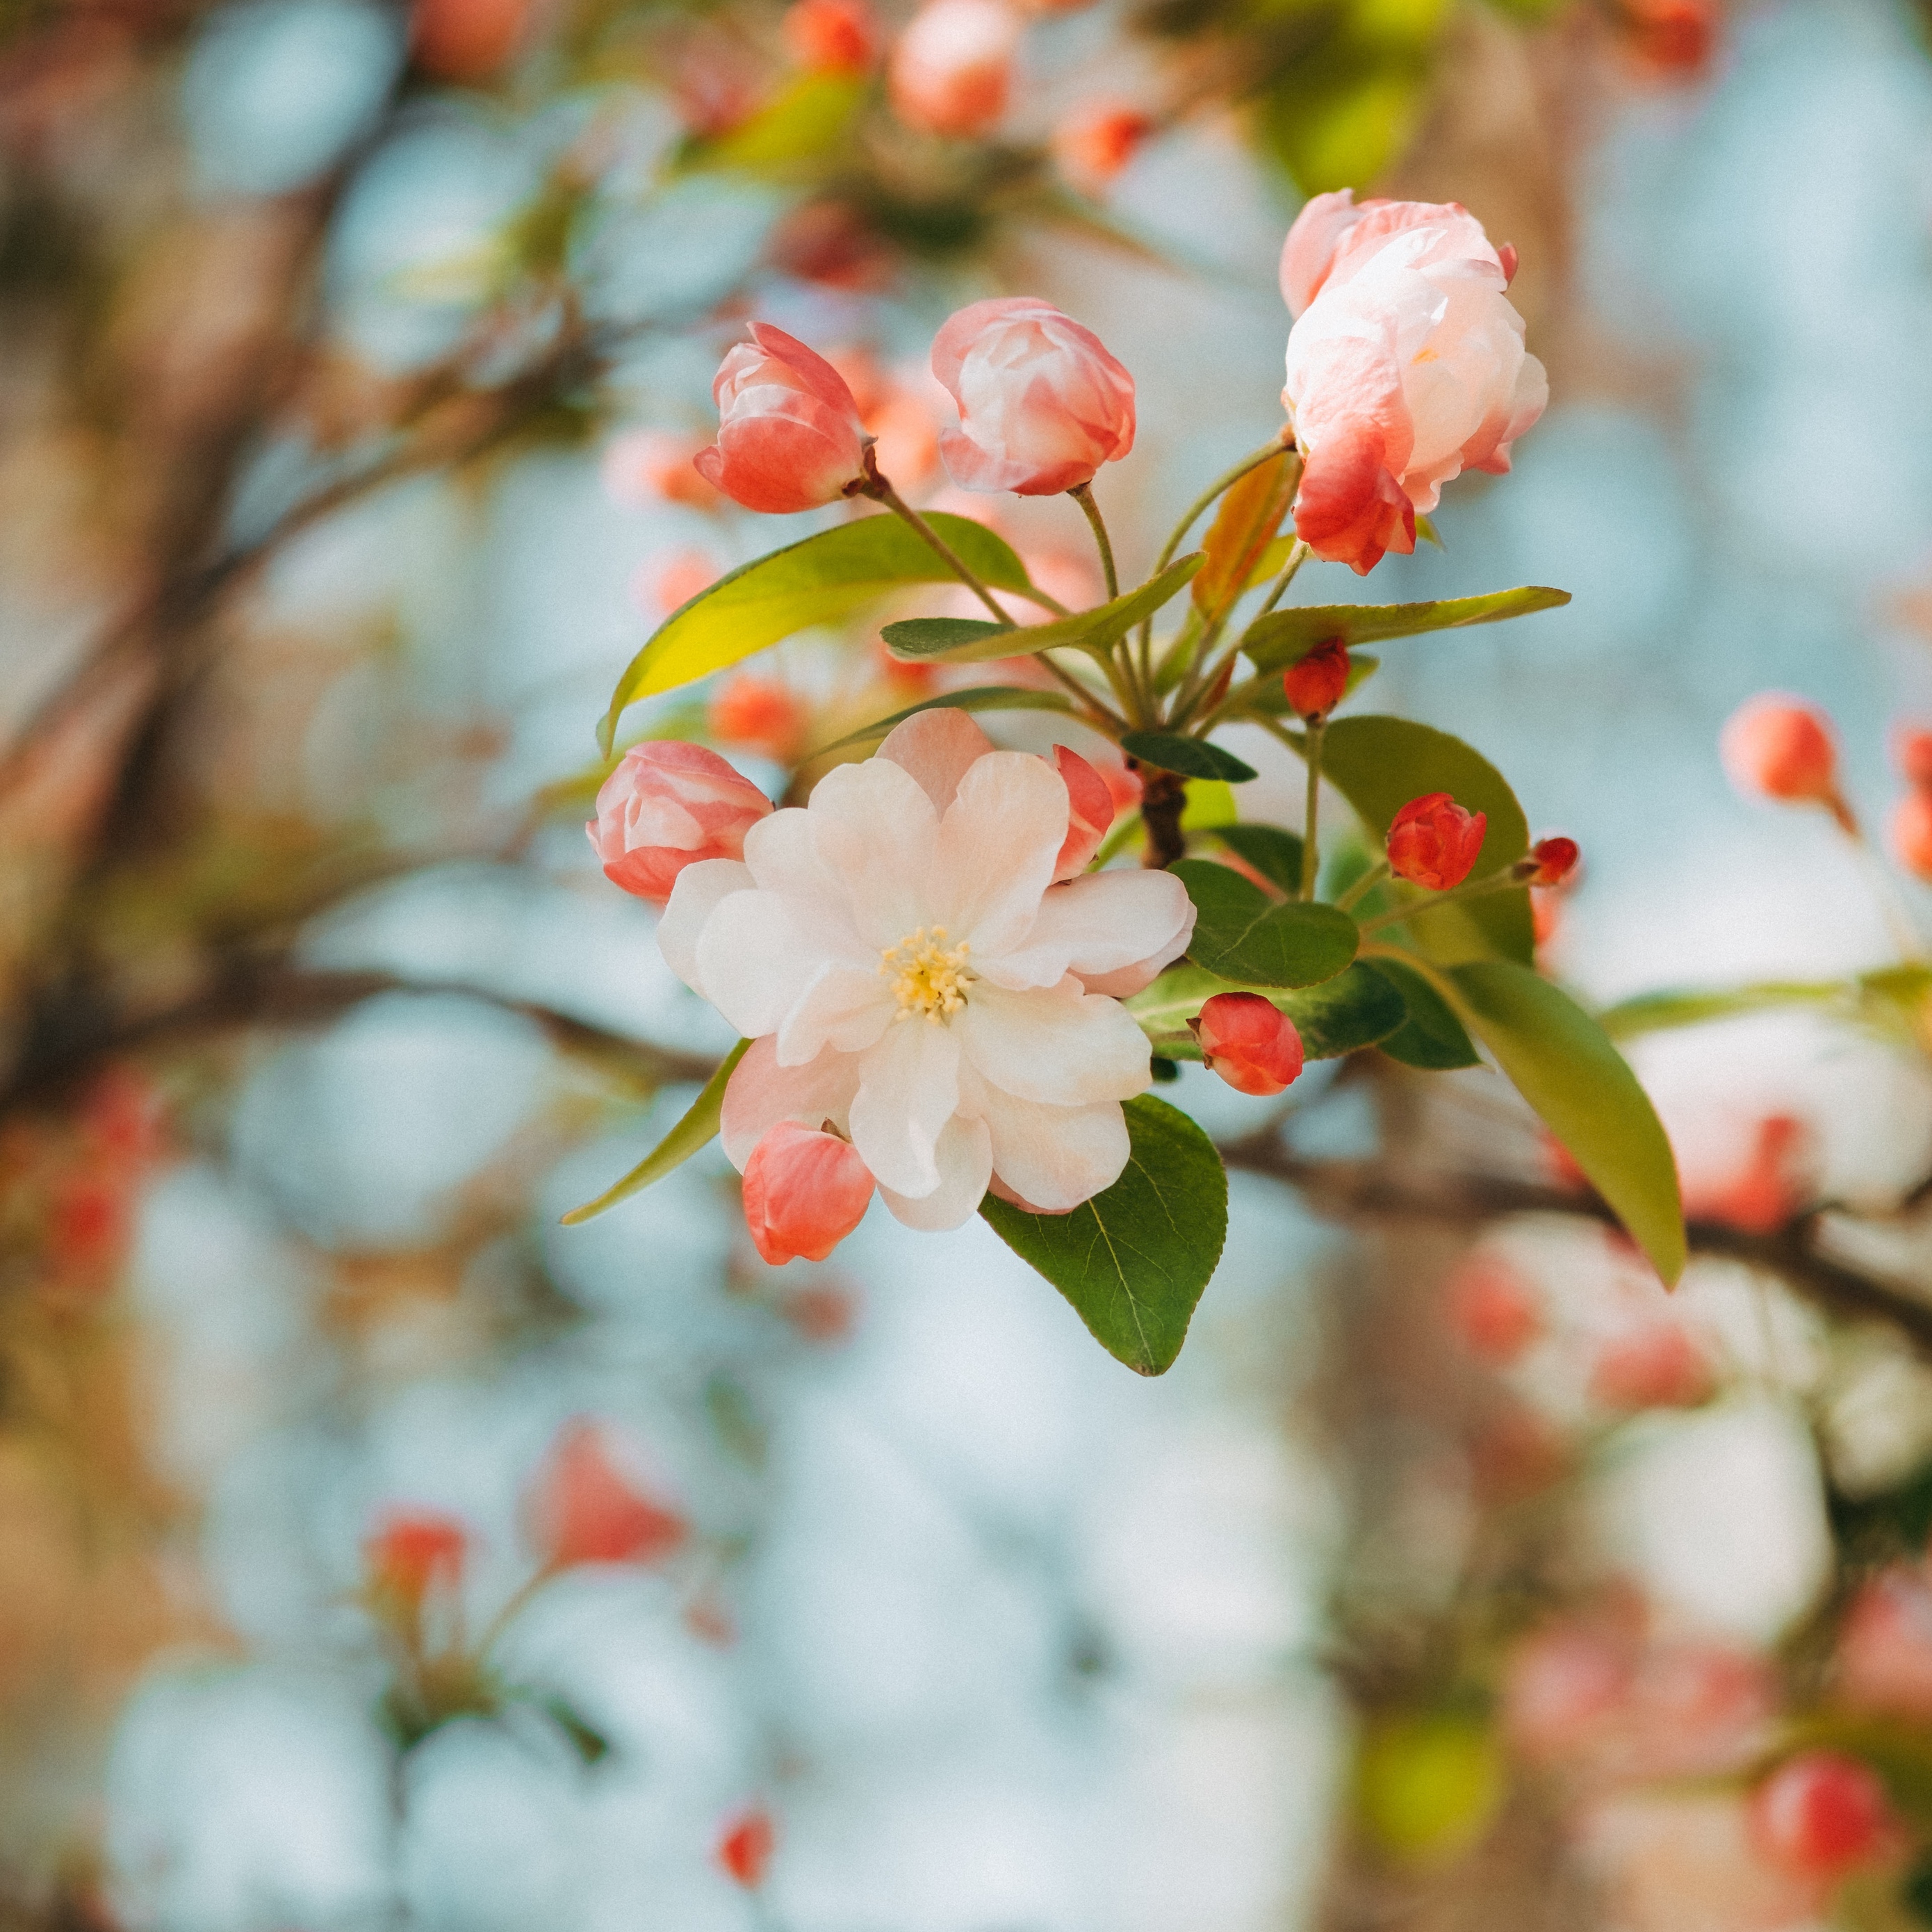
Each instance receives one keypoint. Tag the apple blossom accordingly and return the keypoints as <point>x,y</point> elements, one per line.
<point>1548,862</point>
<point>1782,747</point>
<point>1911,833</point>
<point>1884,1646</point>
<point>586,1510</point>
<point>1432,841</point>
<point>745,1846</point>
<point>1822,1814</point>
<point>1497,1313</point>
<point>951,71</point>
<point>805,1192</point>
<point>1042,404</point>
<point>1912,753</point>
<point>1094,142</point>
<point>907,969</point>
<point>760,713</point>
<point>648,466</point>
<point>1314,684</point>
<point>831,36</point>
<point>1405,367</point>
<point>413,1552</point>
<point>1654,1366</point>
<point>1249,1042</point>
<point>789,436</point>
<point>668,805</point>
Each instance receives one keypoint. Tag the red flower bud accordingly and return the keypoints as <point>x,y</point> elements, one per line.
<point>789,435</point>
<point>666,805</point>
<point>414,1551</point>
<point>1911,833</point>
<point>1249,1042</point>
<point>830,36</point>
<point>745,1847</point>
<point>1782,747</point>
<point>1315,683</point>
<point>585,1509</point>
<point>1095,143</point>
<point>1432,841</point>
<point>1822,1814</point>
<point>759,713</point>
<point>1548,862</point>
<point>805,1192</point>
<point>1912,752</point>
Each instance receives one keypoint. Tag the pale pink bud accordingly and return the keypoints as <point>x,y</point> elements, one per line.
<point>1885,1646</point>
<point>1314,684</point>
<point>585,1509</point>
<point>1090,812</point>
<point>1782,747</point>
<point>1495,1311</point>
<point>759,713</point>
<point>789,435</point>
<point>831,36</point>
<point>805,1192</point>
<point>951,72</point>
<point>1912,834</point>
<point>1563,1688</point>
<point>1912,752</point>
<point>1432,841</point>
<point>1822,1814</point>
<point>745,1846</point>
<point>1094,143</point>
<point>412,1553</point>
<point>1249,1042</point>
<point>650,465</point>
<point>1042,404</point>
<point>666,805</point>
<point>1657,1365</point>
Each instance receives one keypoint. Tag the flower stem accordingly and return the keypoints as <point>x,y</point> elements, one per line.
<point>1891,908</point>
<point>1310,857</point>
<point>1083,495</point>
<point>1362,887</point>
<point>1226,480</point>
<point>1503,881</point>
<point>1296,557</point>
<point>881,491</point>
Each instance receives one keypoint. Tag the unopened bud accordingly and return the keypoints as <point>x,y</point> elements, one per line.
<point>1548,862</point>
<point>586,1509</point>
<point>1822,1814</point>
<point>413,1552</point>
<point>1911,833</point>
<point>805,1192</point>
<point>1315,683</point>
<point>1249,1042</point>
<point>1433,842</point>
<point>1781,748</point>
<point>745,1846</point>
<point>1912,752</point>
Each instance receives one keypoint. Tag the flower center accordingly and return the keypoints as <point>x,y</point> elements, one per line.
<point>929,978</point>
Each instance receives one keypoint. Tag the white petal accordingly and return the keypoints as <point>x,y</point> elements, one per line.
<point>1056,1157</point>
<point>1099,924</point>
<point>908,1090</point>
<point>694,895</point>
<point>761,952</point>
<point>1059,1044</point>
<point>936,747</point>
<point>845,1006</point>
<point>964,1154</point>
<point>873,829</point>
<point>760,1093</point>
<point>997,845</point>
<point>779,851</point>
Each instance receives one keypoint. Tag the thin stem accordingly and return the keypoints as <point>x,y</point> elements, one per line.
<point>1310,857</point>
<point>1898,920</point>
<point>1083,495</point>
<point>1506,881</point>
<point>1226,480</point>
<point>1296,557</point>
<point>877,487</point>
<point>1111,722</point>
<point>1362,887</point>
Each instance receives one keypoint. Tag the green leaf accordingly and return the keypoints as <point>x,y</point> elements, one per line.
<point>1191,757</point>
<point>1282,638</point>
<point>1562,1063</point>
<point>924,639</point>
<point>1274,853</point>
<point>1353,1010</point>
<point>1134,1260</point>
<point>1243,934</point>
<point>1379,764</point>
<point>1431,1036</point>
<point>1425,528</point>
<point>694,1131</point>
<point>806,122</point>
<point>1210,805</point>
<point>982,697</point>
<point>592,1745</point>
<point>1658,1012</point>
<point>821,579</point>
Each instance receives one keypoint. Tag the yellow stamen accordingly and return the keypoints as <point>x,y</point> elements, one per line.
<point>929,979</point>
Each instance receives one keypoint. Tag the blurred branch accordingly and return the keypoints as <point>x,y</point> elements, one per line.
<point>1368,1191</point>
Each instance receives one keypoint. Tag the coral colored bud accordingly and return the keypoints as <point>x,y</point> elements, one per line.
<point>1090,812</point>
<point>1249,1042</point>
<point>1912,752</point>
<point>951,72</point>
<point>1885,1646</point>
<point>1315,683</point>
<point>666,805</point>
<point>789,435</point>
<point>1494,1310</point>
<point>1822,1814</point>
<point>831,36</point>
<point>413,1552</point>
<point>1042,404</point>
<point>805,1192</point>
<point>745,1847</point>
<point>759,713</point>
<point>1548,862</point>
<point>88,1223</point>
<point>1912,834</point>
<point>1094,143</point>
<point>1655,1367</point>
<point>1781,748</point>
<point>667,579</point>
<point>1432,841</point>
<point>1673,39</point>
<point>1777,1179</point>
<point>646,466</point>
<point>466,40</point>
<point>584,1508</point>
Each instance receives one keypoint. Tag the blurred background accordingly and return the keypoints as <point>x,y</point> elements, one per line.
<point>376,1552</point>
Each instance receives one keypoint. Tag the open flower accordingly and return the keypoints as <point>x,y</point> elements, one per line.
<point>908,971</point>
<point>1405,367</point>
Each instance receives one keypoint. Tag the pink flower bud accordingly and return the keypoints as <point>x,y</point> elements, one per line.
<point>1822,1814</point>
<point>1090,812</point>
<point>1094,143</point>
<point>805,1192</point>
<point>1912,752</point>
<point>1494,1310</point>
<point>1548,862</point>
<point>666,805</point>
<point>745,1846</point>
<point>1655,1367</point>
<point>759,713</point>
<point>1315,683</point>
<point>1249,1042</point>
<point>1432,841</point>
<point>1563,1688</point>
<point>585,1509</point>
<point>951,70</point>
<point>646,466</point>
<point>1782,747</point>
<point>1912,834</point>
<point>667,579</point>
<point>789,436</point>
<point>413,1552</point>
<point>1885,1646</point>
<point>831,36</point>
<point>1042,404</point>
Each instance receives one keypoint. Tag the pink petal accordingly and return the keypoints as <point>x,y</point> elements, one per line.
<point>760,1093</point>
<point>936,746</point>
<point>996,850</point>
